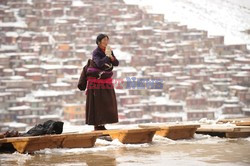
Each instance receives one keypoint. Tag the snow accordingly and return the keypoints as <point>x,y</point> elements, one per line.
<point>17,108</point>
<point>5,93</point>
<point>170,115</point>
<point>79,3</point>
<point>49,67</point>
<point>238,87</point>
<point>11,34</point>
<point>50,117</point>
<point>60,84</point>
<point>30,2</point>
<point>48,93</point>
<point>60,21</point>
<point>33,74</point>
<point>13,24</point>
<point>15,124</point>
<point>218,17</point>
<point>101,145</point>
<point>121,55</point>
<point>27,116</point>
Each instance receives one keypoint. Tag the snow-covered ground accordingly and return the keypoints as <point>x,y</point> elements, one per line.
<point>218,17</point>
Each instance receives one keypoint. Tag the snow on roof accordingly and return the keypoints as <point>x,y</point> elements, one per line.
<point>120,90</point>
<point>168,74</point>
<point>246,109</point>
<point>49,66</point>
<point>33,74</point>
<point>11,34</point>
<point>48,93</point>
<point>8,47</point>
<point>30,66</point>
<point>242,74</point>
<point>185,83</point>
<point>16,77</point>
<point>79,3</point>
<point>17,108</point>
<point>130,96</point>
<point>163,100</point>
<point>170,114</point>
<point>133,110</point>
<point>121,55</point>
<point>27,34</point>
<point>216,99</point>
<point>238,87</point>
<point>242,59</point>
<point>60,84</point>
<point>231,105</point>
<point>70,67</point>
<point>127,69</point>
<point>14,24</point>
<point>128,15</point>
<point>5,93</point>
<point>73,104</point>
<point>50,116</point>
<point>15,124</point>
<point>229,116</point>
<point>245,67</point>
<point>8,70</point>
<point>198,110</point>
<point>142,28</point>
<point>27,116</point>
<point>196,66</point>
<point>60,21</point>
<point>21,69</point>
<point>29,98</point>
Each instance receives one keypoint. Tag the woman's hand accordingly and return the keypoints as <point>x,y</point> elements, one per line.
<point>112,58</point>
<point>108,52</point>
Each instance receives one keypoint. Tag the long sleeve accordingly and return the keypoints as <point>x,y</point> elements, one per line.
<point>100,61</point>
<point>115,62</point>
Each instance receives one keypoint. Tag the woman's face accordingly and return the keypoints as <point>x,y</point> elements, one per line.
<point>104,42</point>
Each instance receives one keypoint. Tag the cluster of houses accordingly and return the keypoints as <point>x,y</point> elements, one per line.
<point>45,44</point>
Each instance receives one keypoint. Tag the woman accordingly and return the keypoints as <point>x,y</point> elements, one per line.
<point>101,105</point>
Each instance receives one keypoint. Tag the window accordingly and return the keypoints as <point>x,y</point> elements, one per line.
<point>33,105</point>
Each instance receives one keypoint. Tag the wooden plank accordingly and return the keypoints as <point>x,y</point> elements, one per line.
<point>174,131</point>
<point>84,140</point>
<point>242,128</point>
<point>213,128</point>
<point>132,136</point>
<point>225,131</point>
<point>222,128</point>
<point>243,123</point>
<point>30,145</point>
<point>34,143</point>
<point>233,120</point>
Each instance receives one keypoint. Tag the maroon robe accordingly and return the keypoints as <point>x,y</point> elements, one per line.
<point>101,104</point>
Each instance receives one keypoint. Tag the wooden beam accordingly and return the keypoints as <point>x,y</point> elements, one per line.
<point>174,131</point>
<point>132,136</point>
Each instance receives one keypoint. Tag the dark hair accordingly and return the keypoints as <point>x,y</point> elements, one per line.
<point>100,37</point>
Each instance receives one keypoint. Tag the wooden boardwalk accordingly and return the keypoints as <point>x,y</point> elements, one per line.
<point>35,143</point>
<point>132,136</point>
<point>143,134</point>
<point>174,131</point>
<point>77,140</point>
<point>232,131</point>
<point>238,121</point>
